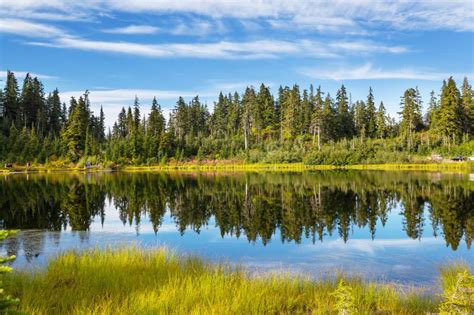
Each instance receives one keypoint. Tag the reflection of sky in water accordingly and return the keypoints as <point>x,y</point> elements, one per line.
<point>391,256</point>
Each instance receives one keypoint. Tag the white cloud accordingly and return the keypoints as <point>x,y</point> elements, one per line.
<point>26,28</point>
<point>257,49</point>
<point>126,96</point>
<point>133,29</point>
<point>368,72</point>
<point>324,15</point>
<point>22,74</point>
<point>371,246</point>
<point>367,47</point>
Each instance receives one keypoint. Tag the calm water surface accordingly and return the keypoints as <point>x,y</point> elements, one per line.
<point>391,226</point>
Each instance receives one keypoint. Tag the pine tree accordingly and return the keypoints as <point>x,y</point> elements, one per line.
<point>371,116</point>
<point>328,119</point>
<point>220,115</point>
<point>381,122</point>
<point>361,119</point>
<point>53,104</point>
<point>306,110</point>
<point>121,130</point>
<point>344,121</point>
<point>235,113</point>
<point>411,115</point>
<point>264,112</point>
<point>248,103</point>
<point>450,118</point>
<point>33,111</point>
<point>101,126</point>
<point>181,117</point>
<point>432,111</point>
<point>290,124</point>
<point>468,107</point>
<point>317,115</point>
<point>11,100</point>
<point>74,135</point>
<point>155,128</point>
<point>136,135</point>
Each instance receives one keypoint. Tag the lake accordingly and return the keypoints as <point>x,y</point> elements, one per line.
<point>384,226</point>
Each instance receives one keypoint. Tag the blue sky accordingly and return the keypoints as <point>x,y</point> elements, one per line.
<point>119,49</point>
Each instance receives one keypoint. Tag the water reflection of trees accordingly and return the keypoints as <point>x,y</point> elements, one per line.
<point>294,206</point>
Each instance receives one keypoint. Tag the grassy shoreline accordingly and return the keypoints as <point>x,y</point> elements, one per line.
<point>136,281</point>
<point>459,167</point>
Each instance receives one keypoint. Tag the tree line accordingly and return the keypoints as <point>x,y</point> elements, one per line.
<point>295,124</point>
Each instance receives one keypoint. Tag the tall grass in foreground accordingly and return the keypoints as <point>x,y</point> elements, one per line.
<point>135,281</point>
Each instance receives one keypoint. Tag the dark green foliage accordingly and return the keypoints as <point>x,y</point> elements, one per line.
<point>345,124</point>
<point>253,127</point>
<point>450,116</point>
<point>371,116</point>
<point>468,107</point>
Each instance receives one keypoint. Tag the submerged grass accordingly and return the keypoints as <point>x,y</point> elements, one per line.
<point>136,281</point>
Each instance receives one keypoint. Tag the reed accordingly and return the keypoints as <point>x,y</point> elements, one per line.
<point>137,281</point>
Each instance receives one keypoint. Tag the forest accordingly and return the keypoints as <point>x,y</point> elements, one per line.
<point>294,125</point>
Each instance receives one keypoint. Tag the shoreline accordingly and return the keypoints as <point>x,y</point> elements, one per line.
<point>189,284</point>
<point>223,166</point>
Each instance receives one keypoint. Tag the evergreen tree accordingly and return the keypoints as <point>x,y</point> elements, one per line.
<point>381,122</point>
<point>53,104</point>
<point>432,111</point>
<point>248,103</point>
<point>181,119</point>
<point>344,121</point>
<point>468,107</point>
<point>371,116</point>
<point>136,134</point>
<point>292,102</point>
<point>328,119</point>
<point>101,126</point>
<point>2,114</point>
<point>411,115</point>
<point>361,120</point>
<point>450,118</point>
<point>155,128</point>
<point>235,113</point>
<point>317,115</point>
<point>264,116</point>
<point>220,115</point>
<point>11,100</point>
<point>74,135</point>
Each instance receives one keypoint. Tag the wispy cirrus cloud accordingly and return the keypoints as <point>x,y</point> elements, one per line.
<point>369,72</point>
<point>22,74</point>
<point>28,28</point>
<point>133,29</point>
<point>257,49</point>
<point>324,15</point>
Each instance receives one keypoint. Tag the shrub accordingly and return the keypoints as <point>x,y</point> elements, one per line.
<point>345,304</point>
<point>458,291</point>
<point>6,301</point>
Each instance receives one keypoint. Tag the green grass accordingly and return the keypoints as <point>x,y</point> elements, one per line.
<point>233,166</point>
<point>135,281</point>
<point>295,167</point>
